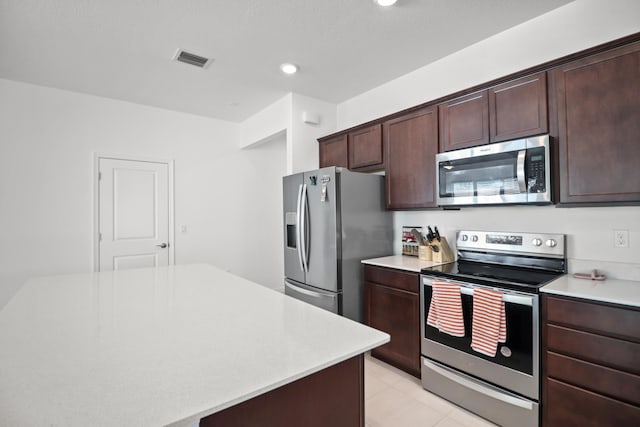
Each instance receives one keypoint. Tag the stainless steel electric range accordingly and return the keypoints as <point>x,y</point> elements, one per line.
<point>504,388</point>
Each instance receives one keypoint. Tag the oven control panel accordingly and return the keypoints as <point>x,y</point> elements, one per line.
<point>527,243</point>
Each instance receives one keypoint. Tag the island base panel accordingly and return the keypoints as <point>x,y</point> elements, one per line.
<point>332,397</point>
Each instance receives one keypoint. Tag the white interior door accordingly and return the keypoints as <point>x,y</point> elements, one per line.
<point>133,214</point>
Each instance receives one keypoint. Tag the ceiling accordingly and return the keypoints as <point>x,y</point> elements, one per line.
<point>123,49</point>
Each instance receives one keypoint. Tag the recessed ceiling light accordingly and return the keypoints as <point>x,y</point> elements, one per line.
<point>288,68</point>
<point>385,2</point>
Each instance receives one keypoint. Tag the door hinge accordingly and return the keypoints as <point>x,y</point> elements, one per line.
<point>99,176</point>
<point>100,237</point>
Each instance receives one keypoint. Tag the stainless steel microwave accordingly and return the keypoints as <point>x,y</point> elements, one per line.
<point>512,172</point>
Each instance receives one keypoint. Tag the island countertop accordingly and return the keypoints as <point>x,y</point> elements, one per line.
<point>153,347</point>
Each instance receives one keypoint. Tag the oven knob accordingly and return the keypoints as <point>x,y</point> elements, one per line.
<point>474,238</point>
<point>536,242</point>
<point>551,243</point>
<point>464,238</point>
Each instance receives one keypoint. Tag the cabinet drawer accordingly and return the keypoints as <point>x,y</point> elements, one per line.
<point>609,320</point>
<point>609,382</point>
<point>611,352</point>
<point>392,278</point>
<point>573,406</point>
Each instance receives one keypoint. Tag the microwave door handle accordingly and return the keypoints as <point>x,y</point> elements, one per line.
<point>303,231</point>
<point>522,154</point>
<point>299,226</point>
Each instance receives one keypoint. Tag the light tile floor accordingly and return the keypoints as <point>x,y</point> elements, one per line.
<point>394,398</point>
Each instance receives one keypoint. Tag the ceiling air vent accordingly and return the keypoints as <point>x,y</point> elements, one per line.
<point>192,58</point>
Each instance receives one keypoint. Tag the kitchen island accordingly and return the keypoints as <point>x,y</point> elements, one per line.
<point>171,346</point>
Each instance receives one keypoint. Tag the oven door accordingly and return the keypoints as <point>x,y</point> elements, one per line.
<point>515,365</point>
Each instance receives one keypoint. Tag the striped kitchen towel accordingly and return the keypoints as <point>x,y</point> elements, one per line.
<point>445,310</point>
<point>489,325</point>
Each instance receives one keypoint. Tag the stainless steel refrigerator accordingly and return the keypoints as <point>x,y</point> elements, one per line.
<point>333,219</point>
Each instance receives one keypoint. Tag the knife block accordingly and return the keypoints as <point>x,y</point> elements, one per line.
<point>425,253</point>
<point>443,254</point>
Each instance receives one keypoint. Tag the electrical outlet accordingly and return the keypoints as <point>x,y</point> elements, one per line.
<point>621,238</point>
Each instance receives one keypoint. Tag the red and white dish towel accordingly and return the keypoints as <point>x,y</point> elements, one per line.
<point>445,311</point>
<point>489,325</point>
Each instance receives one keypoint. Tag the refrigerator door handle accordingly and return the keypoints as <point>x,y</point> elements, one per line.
<point>299,222</point>
<point>303,229</point>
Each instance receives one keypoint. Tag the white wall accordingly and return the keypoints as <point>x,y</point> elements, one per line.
<point>304,153</point>
<point>270,123</point>
<point>229,199</point>
<point>283,120</point>
<point>571,28</point>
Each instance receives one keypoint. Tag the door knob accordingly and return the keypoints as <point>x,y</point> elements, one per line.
<point>162,245</point>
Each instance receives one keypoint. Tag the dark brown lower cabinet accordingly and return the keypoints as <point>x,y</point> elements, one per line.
<point>591,364</point>
<point>331,397</point>
<point>392,305</point>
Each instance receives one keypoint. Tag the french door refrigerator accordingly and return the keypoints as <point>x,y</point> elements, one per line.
<point>333,219</point>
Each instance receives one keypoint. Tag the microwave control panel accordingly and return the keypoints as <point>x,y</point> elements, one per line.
<point>536,170</point>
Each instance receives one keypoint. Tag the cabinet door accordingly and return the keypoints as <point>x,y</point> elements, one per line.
<point>365,148</point>
<point>518,108</point>
<point>464,122</point>
<point>333,152</point>
<point>598,111</point>
<point>411,144</point>
<point>395,312</point>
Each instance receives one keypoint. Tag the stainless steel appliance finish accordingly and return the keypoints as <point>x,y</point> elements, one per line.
<point>504,389</point>
<point>493,403</point>
<point>512,172</point>
<point>522,375</point>
<point>333,219</point>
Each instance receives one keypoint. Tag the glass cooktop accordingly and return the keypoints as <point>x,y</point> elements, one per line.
<point>518,278</point>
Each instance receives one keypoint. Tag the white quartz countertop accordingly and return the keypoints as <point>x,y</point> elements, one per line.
<point>625,292</point>
<point>400,262</point>
<point>154,347</point>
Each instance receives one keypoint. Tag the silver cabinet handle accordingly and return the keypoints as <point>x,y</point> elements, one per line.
<point>163,245</point>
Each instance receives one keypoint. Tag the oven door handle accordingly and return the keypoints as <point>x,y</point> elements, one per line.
<point>512,400</point>
<point>506,297</point>
<point>510,298</point>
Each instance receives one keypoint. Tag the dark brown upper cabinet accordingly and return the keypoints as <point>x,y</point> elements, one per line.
<point>598,126</point>
<point>411,144</point>
<point>510,110</point>
<point>365,148</point>
<point>464,121</point>
<point>334,152</point>
<point>518,108</point>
